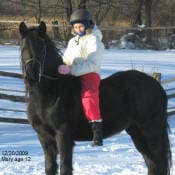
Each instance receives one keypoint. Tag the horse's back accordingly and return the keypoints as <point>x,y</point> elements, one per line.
<point>133,80</point>
<point>129,96</point>
<point>147,90</point>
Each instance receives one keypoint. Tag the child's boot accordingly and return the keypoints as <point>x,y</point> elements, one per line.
<point>97,133</point>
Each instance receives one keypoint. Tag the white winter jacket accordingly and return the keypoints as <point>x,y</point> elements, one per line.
<point>84,54</point>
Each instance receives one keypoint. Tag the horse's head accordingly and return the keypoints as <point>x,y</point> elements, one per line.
<point>39,55</point>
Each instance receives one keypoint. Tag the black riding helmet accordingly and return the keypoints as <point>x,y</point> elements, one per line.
<point>82,15</point>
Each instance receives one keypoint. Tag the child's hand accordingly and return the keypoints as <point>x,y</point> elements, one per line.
<point>64,69</point>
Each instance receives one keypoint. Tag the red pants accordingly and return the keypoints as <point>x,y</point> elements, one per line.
<point>90,96</point>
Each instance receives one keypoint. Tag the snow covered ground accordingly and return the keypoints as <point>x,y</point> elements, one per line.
<point>118,156</point>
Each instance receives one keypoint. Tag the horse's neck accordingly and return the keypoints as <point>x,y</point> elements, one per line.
<point>41,102</point>
<point>50,66</point>
<point>43,89</point>
<point>46,94</point>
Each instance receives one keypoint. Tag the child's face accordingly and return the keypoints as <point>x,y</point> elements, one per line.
<point>79,28</point>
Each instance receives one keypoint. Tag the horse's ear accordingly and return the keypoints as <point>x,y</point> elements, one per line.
<point>42,29</point>
<point>22,29</point>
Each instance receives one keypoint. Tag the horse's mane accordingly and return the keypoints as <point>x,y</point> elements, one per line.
<point>55,51</point>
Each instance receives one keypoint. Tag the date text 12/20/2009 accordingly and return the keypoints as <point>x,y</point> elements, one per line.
<point>15,156</point>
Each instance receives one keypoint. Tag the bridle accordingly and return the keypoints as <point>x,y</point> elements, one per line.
<point>41,66</point>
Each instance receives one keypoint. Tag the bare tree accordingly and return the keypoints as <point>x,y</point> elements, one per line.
<point>138,18</point>
<point>68,4</point>
<point>34,8</point>
<point>82,4</point>
<point>148,19</point>
<point>38,8</point>
<point>102,8</point>
<point>39,12</point>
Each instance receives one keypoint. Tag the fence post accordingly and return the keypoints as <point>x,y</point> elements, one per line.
<point>55,29</point>
<point>157,76</point>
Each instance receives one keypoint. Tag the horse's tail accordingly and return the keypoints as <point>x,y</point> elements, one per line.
<point>165,138</point>
<point>166,141</point>
<point>167,148</point>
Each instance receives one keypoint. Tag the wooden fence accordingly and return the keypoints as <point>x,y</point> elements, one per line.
<point>16,98</point>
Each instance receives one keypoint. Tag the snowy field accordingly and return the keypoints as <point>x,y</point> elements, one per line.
<point>118,156</point>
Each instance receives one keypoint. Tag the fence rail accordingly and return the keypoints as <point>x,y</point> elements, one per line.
<point>171,96</point>
<point>11,74</point>
<point>168,81</point>
<point>108,28</point>
<point>14,98</point>
<point>13,120</point>
<point>23,99</point>
<point>11,90</point>
<point>12,110</point>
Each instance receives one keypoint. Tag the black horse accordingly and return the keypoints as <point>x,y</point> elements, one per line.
<point>129,100</point>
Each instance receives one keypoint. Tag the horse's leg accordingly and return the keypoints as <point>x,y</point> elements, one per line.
<point>152,148</point>
<point>50,153</point>
<point>65,147</point>
<point>48,144</point>
<point>140,143</point>
<point>155,133</point>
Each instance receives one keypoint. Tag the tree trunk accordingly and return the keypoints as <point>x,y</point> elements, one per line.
<point>82,4</point>
<point>67,30</point>
<point>138,17</point>
<point>39,8</point>
<point>68,9</point>
<point>148,20</point>
<point>55,29</point>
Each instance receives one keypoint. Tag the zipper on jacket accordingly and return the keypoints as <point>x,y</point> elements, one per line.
<point>77,41</point>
